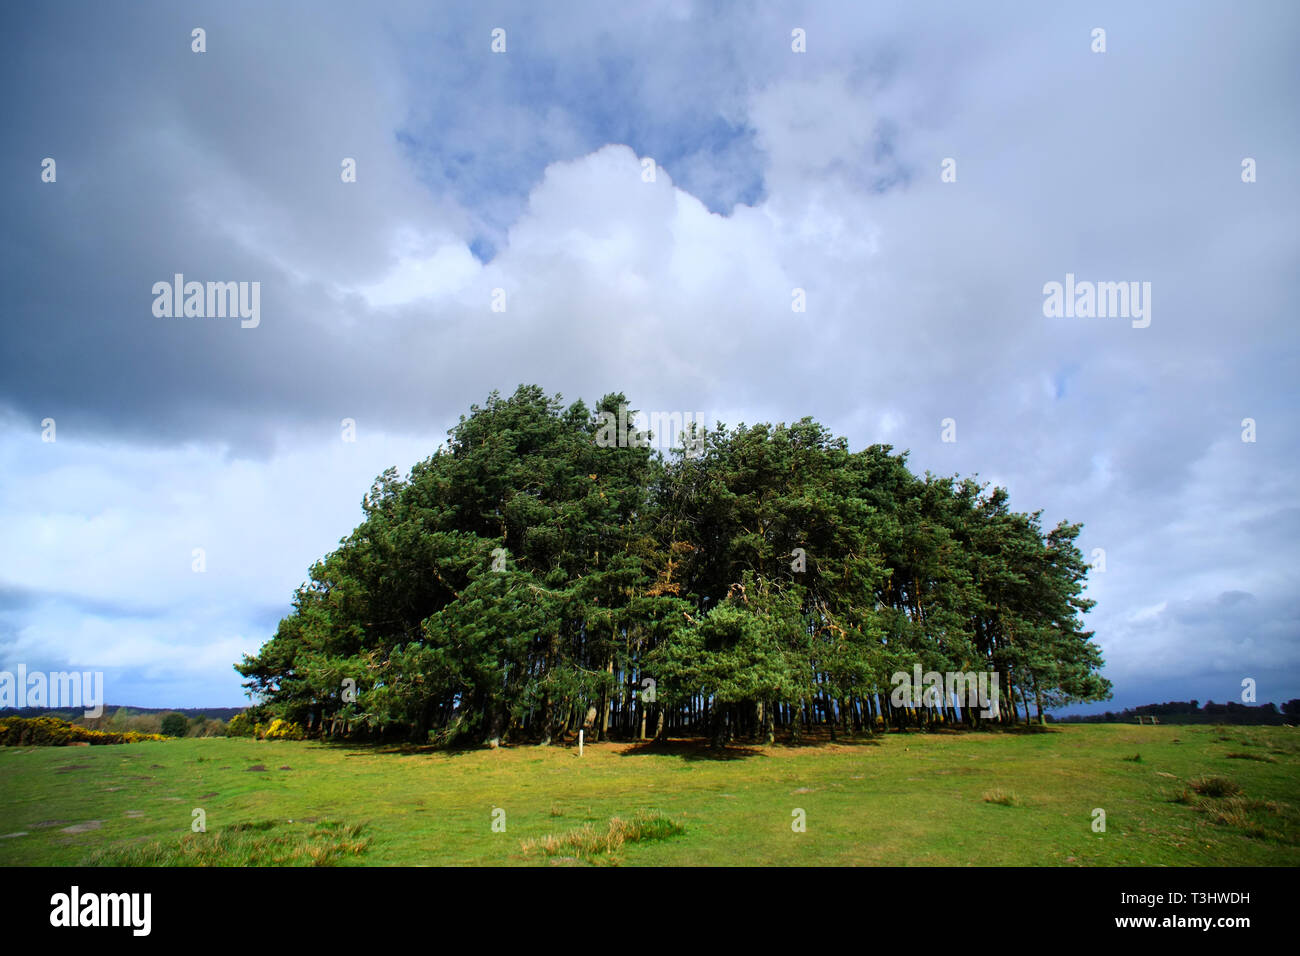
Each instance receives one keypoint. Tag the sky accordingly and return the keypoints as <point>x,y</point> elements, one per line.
<point>920,171</point>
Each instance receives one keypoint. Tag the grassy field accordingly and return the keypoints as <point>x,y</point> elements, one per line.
<point>1171,795</point>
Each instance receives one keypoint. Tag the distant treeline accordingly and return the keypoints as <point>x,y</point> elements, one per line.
<point>177,722</point>
<point>546,572</point>
<point>207,713</point>
<point>1190,712</point>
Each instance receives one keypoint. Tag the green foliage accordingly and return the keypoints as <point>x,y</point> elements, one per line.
<point>175,725</point>
<point>526,575</point>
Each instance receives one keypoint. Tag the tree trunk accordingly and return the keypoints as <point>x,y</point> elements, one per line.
<point>717,730</point>
<point>604,701</point>
<point>493,725</point>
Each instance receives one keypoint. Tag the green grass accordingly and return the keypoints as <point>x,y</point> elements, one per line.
<point>265,843</point>
<point>587,842</point>
<point>1004,798</point>
<point>909,799</point>
<point>1215,786</point>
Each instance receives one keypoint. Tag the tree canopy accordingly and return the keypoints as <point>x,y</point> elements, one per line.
<point>529,579</point>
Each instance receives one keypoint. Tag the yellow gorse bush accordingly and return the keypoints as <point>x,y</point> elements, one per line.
<point>56,732</point>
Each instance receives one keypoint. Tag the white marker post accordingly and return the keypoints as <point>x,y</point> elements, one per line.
<point>580,743</point>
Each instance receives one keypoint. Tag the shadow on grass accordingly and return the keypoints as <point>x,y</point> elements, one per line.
<point>962,730</point>
<point>690,749</point>
<point>362,747</point>
<point>1022,730</point>
<point>366,748</point>
<point>697,748</point>
<point>369,748</point>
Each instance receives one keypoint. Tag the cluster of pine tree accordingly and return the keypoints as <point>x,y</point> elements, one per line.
<point>527,581</point>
